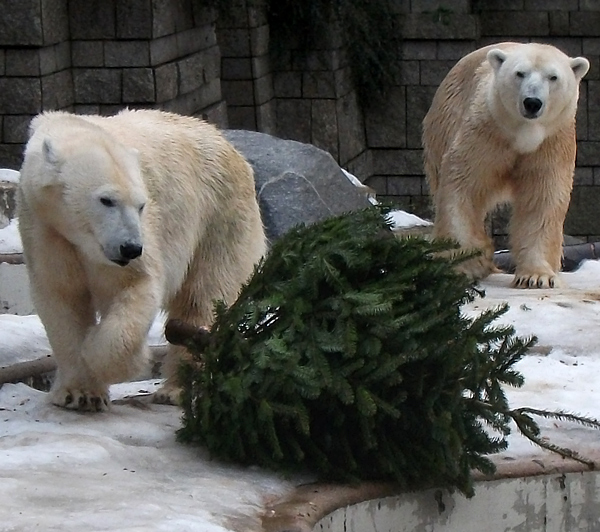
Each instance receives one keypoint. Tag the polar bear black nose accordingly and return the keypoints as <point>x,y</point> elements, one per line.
<point>532,105</point>
<point>130,250</point>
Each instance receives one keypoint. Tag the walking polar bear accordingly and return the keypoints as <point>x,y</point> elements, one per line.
<point>501,128</point>
<point>122,216</point>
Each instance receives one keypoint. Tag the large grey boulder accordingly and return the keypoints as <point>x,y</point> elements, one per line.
<point>295,182</point>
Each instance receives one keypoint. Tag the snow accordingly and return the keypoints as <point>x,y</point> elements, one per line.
<point>400,219</point>
<point>119,471</point>
<point>22,338</point>
<point>562,371</point>
<point>124,471</point>
<point>9,176</point>
<point>405,219</point>
<point>352,178</point>
<point>10,241</point>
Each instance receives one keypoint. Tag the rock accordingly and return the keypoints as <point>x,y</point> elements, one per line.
<point>295,182</point>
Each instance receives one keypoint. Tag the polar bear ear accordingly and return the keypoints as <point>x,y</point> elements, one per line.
<point>496,57</point>
<point>52,161</point>
<point>580,66</point>
<point>49,152</point>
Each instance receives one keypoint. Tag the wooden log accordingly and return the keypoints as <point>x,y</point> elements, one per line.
<point>180,333</point>
<point>39,366</point>
<point>24,370</point>
<point>12,258</point>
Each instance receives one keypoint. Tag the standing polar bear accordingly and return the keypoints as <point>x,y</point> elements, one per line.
<point>501,128</point>
<point>122,216</point>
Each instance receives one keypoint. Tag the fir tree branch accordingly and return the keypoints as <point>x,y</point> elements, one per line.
<point>524,423</point>
<point>530,430</point>
<point>562,416</point>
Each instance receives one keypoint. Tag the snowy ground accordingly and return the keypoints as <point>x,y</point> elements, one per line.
<point>119,471</point>
<point>562,372</point>
<point>10,242</point>
<point>124,471</point>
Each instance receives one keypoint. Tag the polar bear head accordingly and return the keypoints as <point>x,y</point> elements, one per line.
<point>535,82</point>
<point>99,195</point>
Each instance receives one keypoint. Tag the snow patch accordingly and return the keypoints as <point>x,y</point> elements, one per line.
<point>9,176</point>
<point>10,240</point>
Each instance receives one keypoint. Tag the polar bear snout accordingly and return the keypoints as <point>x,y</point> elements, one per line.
<point>119,230</point>
<point>532,107</point>
<point>130,250</point>
<point>125,253</point>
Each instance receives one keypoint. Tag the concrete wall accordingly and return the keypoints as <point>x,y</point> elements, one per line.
<point>547,503</point>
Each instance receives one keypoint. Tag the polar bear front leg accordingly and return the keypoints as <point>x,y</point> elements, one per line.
<point>63,303</point>
<point>536,243</point>
<point>536,229</point>
<point>116,349</point>
<point>460,218</point>
<point>75,386</point>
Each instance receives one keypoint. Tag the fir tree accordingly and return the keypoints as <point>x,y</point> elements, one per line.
<point>347,353</point>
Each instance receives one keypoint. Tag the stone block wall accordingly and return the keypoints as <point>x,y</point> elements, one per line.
<point>99,56</point>
<point>316,102</point>
<point>34,68</point>
<point>140,53</point>
<point>246,74</point>
<point>433,40</point>
<point>102,55</point>
<point>287,92</point>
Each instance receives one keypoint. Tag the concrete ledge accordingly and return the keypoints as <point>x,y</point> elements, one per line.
<point>526,492</point>
<point>562,502</point>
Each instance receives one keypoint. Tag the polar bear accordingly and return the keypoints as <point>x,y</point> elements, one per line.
<point>501,128</point>
<point>122,216</point>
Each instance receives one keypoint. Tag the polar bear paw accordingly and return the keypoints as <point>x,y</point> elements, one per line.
<point>96,400</point>
<point>478,267</point>
<point>169,394</point>
<point>536,280</point>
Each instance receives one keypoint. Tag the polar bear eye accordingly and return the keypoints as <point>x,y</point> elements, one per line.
<point>141,208</point>
<point>107,202</point>
<point>554,77</point>
<point>520,74</point>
